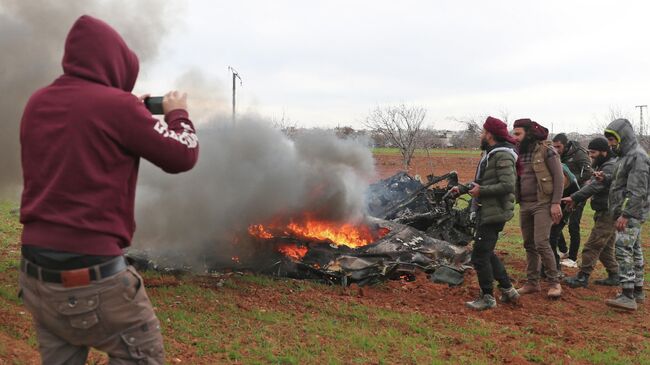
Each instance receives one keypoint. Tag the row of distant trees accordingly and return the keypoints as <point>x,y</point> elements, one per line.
<point>403,127</point>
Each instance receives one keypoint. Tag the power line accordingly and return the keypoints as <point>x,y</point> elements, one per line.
<point>642,126</point>
<point>235,76</point>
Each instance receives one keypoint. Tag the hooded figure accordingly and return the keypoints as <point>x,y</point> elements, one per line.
<point>629,191</point>
<point>82,138</point>
<point>81,142</point>
<point>628,203</point>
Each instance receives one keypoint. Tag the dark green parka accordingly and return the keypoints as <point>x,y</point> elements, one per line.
<point>496,175</point>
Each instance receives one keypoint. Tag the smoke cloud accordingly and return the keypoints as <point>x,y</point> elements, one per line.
<point>247,172</point>
<point>250,173</point>
<point>32,35</point>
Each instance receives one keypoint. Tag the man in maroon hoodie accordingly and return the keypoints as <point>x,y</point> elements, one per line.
<point>82,138</point>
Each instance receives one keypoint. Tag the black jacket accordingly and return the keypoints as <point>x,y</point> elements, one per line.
<point>598,191</point>
<point>577,160</point>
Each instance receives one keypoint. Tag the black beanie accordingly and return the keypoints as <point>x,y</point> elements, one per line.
<point>599,144</point>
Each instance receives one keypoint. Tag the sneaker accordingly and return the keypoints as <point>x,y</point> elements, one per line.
<point>529,288</point>
<point>612,280</point>
<point>555,291</point>
<point>639,294</point>
<point>568,263</point>
<point>509,295</point>
<point>579,281</point>
<point>622,301</point>
<point>485,301</point>
<point>564,255</point>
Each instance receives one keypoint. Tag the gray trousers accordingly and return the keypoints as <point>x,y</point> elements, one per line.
<point>113,315</point>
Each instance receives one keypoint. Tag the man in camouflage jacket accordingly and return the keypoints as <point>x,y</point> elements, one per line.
<point>628,202</point>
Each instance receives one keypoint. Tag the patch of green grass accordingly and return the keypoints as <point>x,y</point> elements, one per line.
<point>599,355</point>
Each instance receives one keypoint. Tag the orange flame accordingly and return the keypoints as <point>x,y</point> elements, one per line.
<point>258,230</point>
<point>346,234</point>
<point>293,251</point>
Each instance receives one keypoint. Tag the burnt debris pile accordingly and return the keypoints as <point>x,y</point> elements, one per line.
<point>410,227</point>
<point>427,207</point>
<point>398,254</point>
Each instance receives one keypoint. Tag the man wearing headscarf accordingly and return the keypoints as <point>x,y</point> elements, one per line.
<point>493,193</point>
<point>539,190</point>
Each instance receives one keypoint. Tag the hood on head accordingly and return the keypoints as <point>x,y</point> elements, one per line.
<point>571,148</point>
<point>96,52</point>
<point>623,131</point>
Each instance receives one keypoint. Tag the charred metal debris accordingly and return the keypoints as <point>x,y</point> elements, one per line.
<point>420,227</point>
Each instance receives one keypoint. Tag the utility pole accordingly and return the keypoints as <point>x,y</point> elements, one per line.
<point>641,123</point>
<point>235,76</point>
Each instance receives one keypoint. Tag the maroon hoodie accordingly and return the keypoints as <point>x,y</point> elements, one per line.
<point>81,142</point>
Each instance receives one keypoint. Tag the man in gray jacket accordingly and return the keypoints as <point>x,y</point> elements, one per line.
<point>600,244</point>
<point>628,202</point>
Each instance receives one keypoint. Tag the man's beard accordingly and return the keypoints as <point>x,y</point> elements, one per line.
<point>527,143</point>
<point>599,160</point>
<point>484,144</point>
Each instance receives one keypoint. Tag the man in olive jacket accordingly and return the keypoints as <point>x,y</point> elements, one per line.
<point>493,193</point>
<point>628,202</point>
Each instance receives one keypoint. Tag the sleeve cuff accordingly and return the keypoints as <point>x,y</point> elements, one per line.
<point>176,114</point>
<point>576,198</point>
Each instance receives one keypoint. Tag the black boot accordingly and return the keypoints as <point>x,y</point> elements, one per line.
<point>579,281</point>
<point>639,295</point>
<point>612,280</point>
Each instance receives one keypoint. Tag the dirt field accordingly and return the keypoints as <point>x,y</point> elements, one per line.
<point>438,164</point>
<point>255,319</point>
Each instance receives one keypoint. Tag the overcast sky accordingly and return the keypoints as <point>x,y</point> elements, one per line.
<point>329,63</point>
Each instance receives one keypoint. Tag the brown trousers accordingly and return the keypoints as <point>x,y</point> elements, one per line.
<point>600,245</point>
<point>113,315</point>
<point>535,221</point>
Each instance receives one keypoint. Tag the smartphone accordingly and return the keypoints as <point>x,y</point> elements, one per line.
<point>154,104</point>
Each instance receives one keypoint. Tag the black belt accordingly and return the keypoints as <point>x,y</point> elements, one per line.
<point>72,278</point>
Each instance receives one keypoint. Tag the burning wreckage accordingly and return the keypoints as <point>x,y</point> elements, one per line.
<point>412,226</point>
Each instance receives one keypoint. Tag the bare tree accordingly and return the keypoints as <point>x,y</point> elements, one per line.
<point>470,137</point>
<point>614,112</point>
<point>504,114</point>
<point>285,125</point>
<point>401,126</point>
<point>430,139</point>
<point>344,132</point>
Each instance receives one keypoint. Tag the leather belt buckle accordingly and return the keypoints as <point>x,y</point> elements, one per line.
<point>72,278</point>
